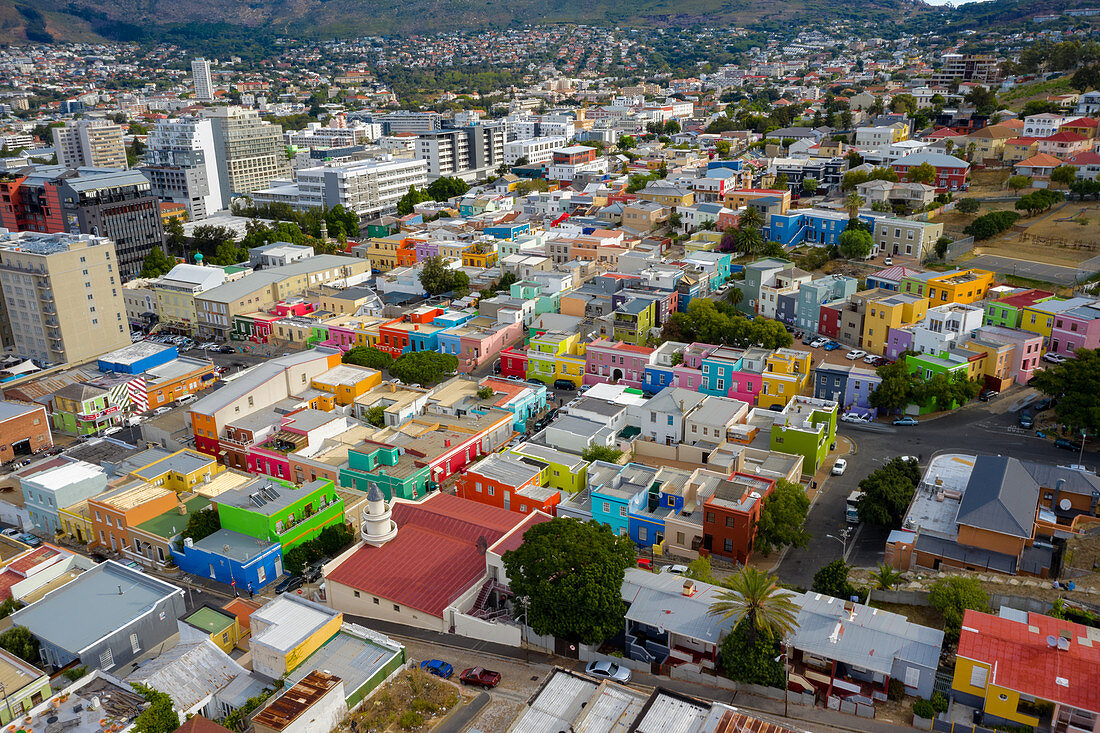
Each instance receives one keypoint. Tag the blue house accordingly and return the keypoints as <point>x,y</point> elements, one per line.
<point>449,342</point>
<point>814,226</point>
<point>813,294</point>
<point>733,165</point>
<point>719,370</point>
<point>648,510</point>
<point>137,358</point>
<point>718,264</point>
<point>657,377</point>
<point>508,231</point>
<point>831,381</point>
<point>612,487</point>
<point>232,558</point>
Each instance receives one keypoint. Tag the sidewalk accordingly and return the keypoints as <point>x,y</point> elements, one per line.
<point>823,720</point>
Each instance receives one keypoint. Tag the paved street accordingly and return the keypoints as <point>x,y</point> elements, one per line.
<point>1026,268</point>
<point>989,427</point>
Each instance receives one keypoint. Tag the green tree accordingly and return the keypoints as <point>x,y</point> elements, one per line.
<point>832,580</point>
<point>160,716</point>
<point>991,224</point>
<point>9,606</point>
<point>968,206</point>
<point>783,518</point>
<point>983,99</point>
<point>886,578</point>
<point>484,393</point>
<point>601,453</point>
<point>952,597</point>
<point>809,185</point>
<point>437,278</point>
<point>946,391</point>
<point>20,642</point>
<point>568,576</point>
<point>1016,183</point>
<point>923,173</point>
<point>781,182</point>
<point>755,598</point>
<point>751,659</point>
<point>424,367</point>
<point>855,244</point>
<point>626,142</point>
<point>700,569</point>
<point>174,238</point>
<point>412,197</point>
<point>376,416</point>
<point>1075,384</point>
<point>367,356</point>
<point>202,524</point>
<point>722,147</point>
<point>447,188</point>
<point>887,493</point>
<point>941,246</point>
<point>156,263</point>
<point>853,202</point>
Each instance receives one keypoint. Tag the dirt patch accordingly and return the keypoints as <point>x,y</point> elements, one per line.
<point>987,180</point>
<point>412,701</point>
<point>922,615</point>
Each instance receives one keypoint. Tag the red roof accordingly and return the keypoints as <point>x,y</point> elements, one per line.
<point>1066,137</point>
<point>7,580</point>
<point>1022,660</point>
<point>514,539</point>
<point>434,558</point>
<point>1082,122</point>
<point>1089,158</point>
<point>1026,298</point>
<point>30,560</point>
<point>199,724</point>
<point>1040,160</point>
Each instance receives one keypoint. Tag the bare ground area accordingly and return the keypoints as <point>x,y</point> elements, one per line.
<point>1056,237</point>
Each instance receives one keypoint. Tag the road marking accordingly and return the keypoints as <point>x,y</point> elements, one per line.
<point>855,538</point>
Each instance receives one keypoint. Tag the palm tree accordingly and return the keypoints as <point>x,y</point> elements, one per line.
<point>886,577</point>
<point>853,202</point>
<point>756,598</point>
<point>735,295</point>
<point>750,218</point>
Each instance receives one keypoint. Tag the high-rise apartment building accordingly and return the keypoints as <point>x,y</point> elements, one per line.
<point>249,151</point>
<point>182,167</point>
<point>90,144</point>
<point>966,67</point>
<point>63,295</point>
<point>110,203</point>
<point>204,84</point>
<point>469,152</point>
<point>367,187</point>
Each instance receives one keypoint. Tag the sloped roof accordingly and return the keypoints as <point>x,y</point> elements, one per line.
<point>1001,496</point>
<point>189,672</point>
<point>1040,160</point>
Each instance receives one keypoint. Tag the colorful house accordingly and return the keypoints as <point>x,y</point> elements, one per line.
<point>278,511</point>
<point>219,625</point>
<point>510,483</point>
<point>960,286</point>
<point>731,513</point>
<point>25,687</point>
<point>1039,317</point>
<point>346,382</point>
<point>84,409</point>
<point>806,427</point>
<point>180,471</point>
<point>565,471</point>
<point>556,356</point>
<point>234,559</point>
<point>890,312</point>
<point>114,511</point>
<point>616,362</point>
<point>786,374</point>
<point>633,320</point>
<point>1078,328</point>
<point>1008,311</point>
<point>611,487</point>
<point>396,473</point>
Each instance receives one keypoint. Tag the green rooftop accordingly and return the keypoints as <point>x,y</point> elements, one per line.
<point>171,523</point>
<point>210,620</point>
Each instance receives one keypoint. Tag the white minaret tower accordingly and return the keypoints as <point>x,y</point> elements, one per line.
<point>378,528</point>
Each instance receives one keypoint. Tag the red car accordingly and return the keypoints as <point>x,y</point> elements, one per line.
<point>480,677</point>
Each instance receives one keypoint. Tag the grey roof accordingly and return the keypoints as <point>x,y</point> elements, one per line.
<point>862,636</point>
<point>102,610</point>
<point>375,493</point>
<point>355,655</point>
<point>718,410</point>
<point>8,410</point>
<point>277,496</point>
<point>938,160</point>
<point>237,692</point>
<point>508,470</point>
<point>970,556</point>
<point>658,600</point>
<point>181,462</point>
<point>189,672</point>
<point>234,545</point>
<point>254,378</point>
<point>674,400</point>
<point>1001,496</point>
<point>1073,480</point>
<point>251,283</point>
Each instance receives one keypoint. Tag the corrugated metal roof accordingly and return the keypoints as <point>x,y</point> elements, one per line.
<point>189,672</point>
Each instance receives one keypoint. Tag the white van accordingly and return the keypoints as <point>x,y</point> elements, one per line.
<point>186,399</point>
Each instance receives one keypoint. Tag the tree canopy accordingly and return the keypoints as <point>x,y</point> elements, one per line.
<point>424,367</point>
<point>22,643</point>
<point>367,356</point>
<point>832,580</point>
<point>568,576</point>
<point>718,322</point>
<point>952,597</point>
<point>437,278</point>
<point>923,173</point>
<point>601,453</point>
<point>855,244</point>
<point>202,524</point>
<point>160,716</point>
<point>156,263</point>
<point>755,600</point>
<point>783,518</point>
<point>991,224</point>
<point>887,493</point>
<point>1075,384</point>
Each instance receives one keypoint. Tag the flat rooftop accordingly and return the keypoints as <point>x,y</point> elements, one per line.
<point>355,655</point>
<point>937,499</point>
<point>286,622</point>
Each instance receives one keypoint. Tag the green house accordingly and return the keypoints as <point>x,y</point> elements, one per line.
<point>927,366</point>
<point>633,319</point>
<point>565,471</point>
<point>84,409</point>
<point>806,427</point>
<point>25,687</point>
<point>1009,310</point>
<point>395,472</point>
<point>279,511</point>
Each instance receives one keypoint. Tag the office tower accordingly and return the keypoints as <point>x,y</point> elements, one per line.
<point>63,295</point>
<point>90,144</point>
<point>182,166</point>
<point>250,152</point>
<point>469,153</point>
<point>204,85</point>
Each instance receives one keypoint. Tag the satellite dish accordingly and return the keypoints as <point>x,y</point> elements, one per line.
<point>1052,641</point>
<point>1065,505</point>
<point>1063,643</point>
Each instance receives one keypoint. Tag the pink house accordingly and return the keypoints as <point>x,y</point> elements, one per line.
<point>1025,356</point>
<point>616,362</point>
<point>284,309</point>
<point>341,337</point>
<point>298,430</point>
<point>688,374</point>
<point>1074,329</point>
<point>480,345</point>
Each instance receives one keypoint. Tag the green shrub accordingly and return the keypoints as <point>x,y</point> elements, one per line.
<point>939,702</point>
<point>896,690</point>
<point>410,720</point>
<point>923,709</point>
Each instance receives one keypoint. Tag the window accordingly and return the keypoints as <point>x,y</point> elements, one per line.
<point>727,545</point>
<point>397,608</point>
<point>492,491</point>
<point>642,533</point>
<point>670,419</point>
<point>106,659</point>
<point>622,511</point>
<point>710,516</point>
<point>607,507</point>
<point>135,645</point>
<point>978,676</point>
<point>680,538</point>
<point>731,522</point>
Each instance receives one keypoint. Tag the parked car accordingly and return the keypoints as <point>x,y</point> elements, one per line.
<point>675,569</point>
<point>871,359</point>
<point>225,350</point>
<point>855,354</point>
<point>1044,404</point>
<point>437,667</point>
<point>608,671</point>
<point>888,261</point>
<point>186,399</point>
<point>480,677</point>
<point>290,583</point>
<point>909,459</point>
<point>1067,444</point>
<point>855,417</point>
<point>1026,421</point>
<point>839,467</point>
<point>11,532</point>
<point>817,343</point>
<point>831,346</point>
<point>112,430</point>
<point>808,339</point>
<point>907,420</point>
<point>1053,358</point>
<point>987,394</point>
<point>162,410</point>
<point>29,539</point>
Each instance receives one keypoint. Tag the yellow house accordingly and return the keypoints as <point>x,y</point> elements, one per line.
<point>556,355</point>
<point>382,252</point>
<point>989,143</point>
<point>892,311</point>
<point>961,286</point>
<point>1039,317</point>
<point>786,374</point>
<point>286,631</point>
<point>703,241</point>
<point>77,521</point>
<point>180,471</point>
<point>670,196</point>
<point>481,255</point>
<point>221,626</point>
<point>345,382</point>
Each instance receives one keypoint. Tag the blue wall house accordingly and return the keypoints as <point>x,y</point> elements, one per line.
<point>508,231</point>
<point>137,358</point>
<point>657,377</point>
<point>231,557</point>
<point>718,371</point>
<point>612,487</point>
<point>813,294</point>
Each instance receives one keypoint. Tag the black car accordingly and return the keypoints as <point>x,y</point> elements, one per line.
<point>987,394</point>
<point>809,339</point>
<point>1044,404</point>
<point>564,385</point>
<point>290,583</point>
<point>1067,444</point>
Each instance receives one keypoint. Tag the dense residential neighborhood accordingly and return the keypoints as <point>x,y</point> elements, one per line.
<point>683,377</point>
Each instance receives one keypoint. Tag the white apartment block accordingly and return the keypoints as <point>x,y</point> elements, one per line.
<point>535,150</point>
<point>90,144</point>
<point>1043,125</point>
<point>469,153</point>
<point>204,84</point>
<point>181,164</point>
<point>250,152</point>
<point>317,136</point>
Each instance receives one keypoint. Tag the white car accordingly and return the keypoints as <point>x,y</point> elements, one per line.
<point>162,410</point>
<point>818,343</point>
<point>855,354</point>
<point>869,359</point>
<point>888,261</point>
<point>854,417</point>
<point>1053,358</point>
<point>608,671</point>
<point>839,466</point>
<point>112,431</point>
<point>675,569</point>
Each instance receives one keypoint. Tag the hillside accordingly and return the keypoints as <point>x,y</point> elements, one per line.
<point>132,19</point>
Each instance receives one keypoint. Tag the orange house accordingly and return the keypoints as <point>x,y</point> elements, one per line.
<point>508,482</point>
<point>116,510</point>
<point>406,252</point>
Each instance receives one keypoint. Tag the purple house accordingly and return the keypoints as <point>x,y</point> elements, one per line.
<point>898,341</point>
<point>426,249</point>
<point>688,374</point>
<point>340,337</point>
<point>1074,329</point>
<point>857,392</point>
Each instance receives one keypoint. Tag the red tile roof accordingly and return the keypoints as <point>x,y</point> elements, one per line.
<point>199,724</point>
<point>7,580</point>
<point>1082,122</point>
<point>1089,158</point>
<point>1066,137</point>
<point>435,556</point>
<point>514,539</point>
<point>1022,660</point>
<point>1026,298</point>
<point>30,560</point>
<point>1040,160</point>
